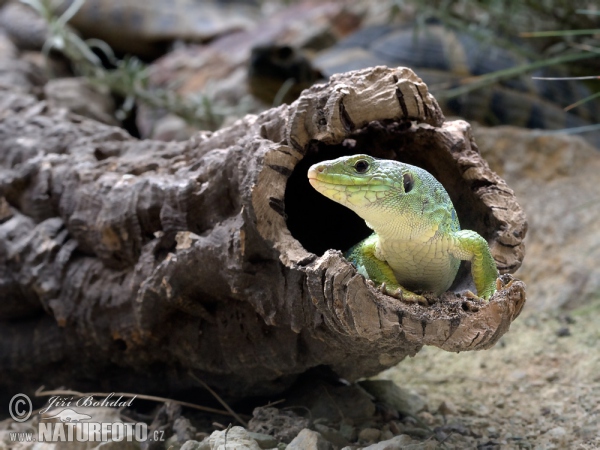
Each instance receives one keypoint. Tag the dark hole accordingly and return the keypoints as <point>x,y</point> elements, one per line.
<point>284,52</point>
<point>320,224</point>
<point>315,221</point>
<point>120,345</point>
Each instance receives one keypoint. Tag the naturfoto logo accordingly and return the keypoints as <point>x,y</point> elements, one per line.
<point>64,420</point>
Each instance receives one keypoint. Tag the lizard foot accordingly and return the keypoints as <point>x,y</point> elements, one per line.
<point>500,284</point>
<point>403,294</point>
<point>473,296</point>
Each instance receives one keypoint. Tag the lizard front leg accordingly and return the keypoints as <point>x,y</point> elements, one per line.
<point>470,246</point>
<point>362,256</point>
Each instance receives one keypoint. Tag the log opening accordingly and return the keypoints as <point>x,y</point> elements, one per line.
<point>320,224</point>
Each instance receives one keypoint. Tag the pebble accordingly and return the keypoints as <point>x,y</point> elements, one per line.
<point>369,435</point>
<point>447,408</point>
<point>397,442</point>
<point>348,431</point>
<point>386,435</point>
<point>332,435</point>
<point>396,427</point>
<point>556,433</point>
<point>563,332</point>
<point>427,417</point>
<point>309,440</point>
<point>264,441</point>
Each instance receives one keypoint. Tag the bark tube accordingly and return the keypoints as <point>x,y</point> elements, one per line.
<point>134,262</point>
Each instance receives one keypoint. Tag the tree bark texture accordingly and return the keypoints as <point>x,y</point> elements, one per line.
<point>126,264</point>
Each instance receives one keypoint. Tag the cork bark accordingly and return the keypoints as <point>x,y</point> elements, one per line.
<point>126,264</point>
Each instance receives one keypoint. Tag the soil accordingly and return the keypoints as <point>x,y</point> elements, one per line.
<point>538,388</point>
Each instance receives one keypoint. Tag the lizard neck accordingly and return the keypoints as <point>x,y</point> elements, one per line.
<point>404,229</point>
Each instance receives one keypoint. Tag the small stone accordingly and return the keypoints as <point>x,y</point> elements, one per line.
<point>191,445</point>
<point>348,431</point>
<point>332,435</point>
<point>552,376</point>
<point>396,427</point>
<point>235,437</point>
<point>263,440</point>
<point>309,440</point>
<point>556,433</point>
<point>570,320</point>
<point>407,402</point>
<point>386,435</point>
<point>334,403</point>
<point>518,375</point>
<point>427,417</point>
<point>397,442</point>
<point>563,332</point>
<point>81,97</point>
<point>369,435</point>
<point>282,425</point>
<point>447,408</point>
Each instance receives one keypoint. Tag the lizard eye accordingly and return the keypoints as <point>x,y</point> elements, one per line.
<point>408,181</point>
<point>361,166</point>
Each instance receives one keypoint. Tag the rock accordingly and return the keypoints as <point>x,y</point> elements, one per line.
<point>191,445</point>
<point>282,425</point>
<point>347,430</point>
<point>386,435</point>
<point>219,69</point>
<point>386,391</point>
<point>309,440</point>
<point>183,429</point>
<point>18,74</point>
<point>402,442</point>
<point>25,27</point>
<point>81,97</point>
<point>555,178</point>
<point>369,435</point>
<point>332,435</point>
<point>334,402</point>
<point>556,433</point>
<point>563,332</point>
<point>234,437</point>
<point>447,408</point>
<point>264,441</point>
<point>171,128</point>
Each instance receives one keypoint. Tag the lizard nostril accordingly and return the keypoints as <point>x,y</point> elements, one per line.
<point>320,169</point>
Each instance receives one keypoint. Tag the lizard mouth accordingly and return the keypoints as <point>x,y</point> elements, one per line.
<point>316,178</point>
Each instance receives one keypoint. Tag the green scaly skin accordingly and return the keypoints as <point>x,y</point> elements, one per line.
<point>417,242</point>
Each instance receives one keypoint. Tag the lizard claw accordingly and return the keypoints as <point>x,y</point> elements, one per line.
<point>498,284</point>
<point>473,296</point>
<point>400,293</point>
<point>407,296</point>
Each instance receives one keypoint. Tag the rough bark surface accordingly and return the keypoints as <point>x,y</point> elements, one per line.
<point>134,262</point>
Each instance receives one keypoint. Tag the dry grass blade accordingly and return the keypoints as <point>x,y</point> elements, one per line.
<point>219,399</point>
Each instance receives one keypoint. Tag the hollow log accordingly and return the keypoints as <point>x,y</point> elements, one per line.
<point>126,264</point>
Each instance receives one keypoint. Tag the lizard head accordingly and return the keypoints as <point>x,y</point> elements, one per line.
<point>385,193</point>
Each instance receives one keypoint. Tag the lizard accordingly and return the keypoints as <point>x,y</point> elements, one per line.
<point>417,243</point>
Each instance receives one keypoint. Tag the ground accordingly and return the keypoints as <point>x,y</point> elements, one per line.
<point>538,388</point>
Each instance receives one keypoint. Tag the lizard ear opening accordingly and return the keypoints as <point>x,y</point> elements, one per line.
<point>408,180</point>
